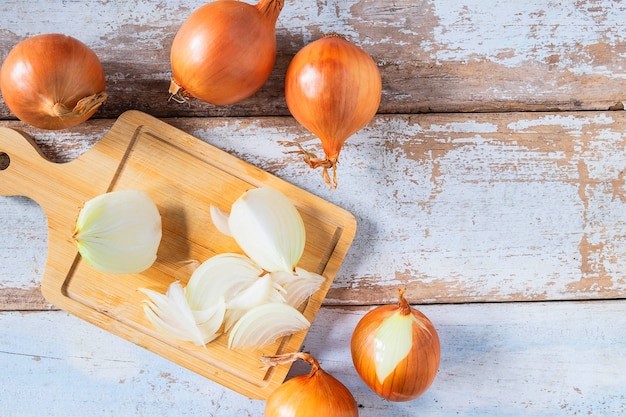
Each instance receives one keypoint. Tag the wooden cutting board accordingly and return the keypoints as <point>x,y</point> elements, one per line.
<point>184,176</point>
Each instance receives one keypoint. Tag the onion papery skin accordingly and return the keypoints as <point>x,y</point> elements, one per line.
<point>333,88</point>
<point>225,51</point>
<point>317,394</point>
<point>414,374</point>
<point>52,81</point>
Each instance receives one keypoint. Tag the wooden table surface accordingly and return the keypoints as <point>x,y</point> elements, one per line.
<point>491,184</point>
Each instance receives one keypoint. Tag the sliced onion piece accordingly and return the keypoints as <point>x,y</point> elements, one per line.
<point>222,275</point>
<point>268,228</point>
<point>299,286</point>
<point>170,314</point>
<point>264,324</point>
<point>220,220</point>
<point>210,321</point>
<point>262,290</point>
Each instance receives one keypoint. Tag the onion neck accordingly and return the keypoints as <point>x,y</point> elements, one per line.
<point>403,305</point>
<point>292,357</point>
<point>270,9</point>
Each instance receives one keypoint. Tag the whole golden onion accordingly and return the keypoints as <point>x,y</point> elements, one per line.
<point>52,81</point>
<point>396,351</point>
<point>333,88</point>
<point>317,394</point>
<point>225,51</point>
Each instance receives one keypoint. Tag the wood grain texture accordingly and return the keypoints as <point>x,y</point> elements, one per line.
<point>458,196</point>
<point>457,207</point>
<point>531,359</point>
<point>434,56</point>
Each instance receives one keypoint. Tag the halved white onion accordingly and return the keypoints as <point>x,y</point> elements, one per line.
<point>119,232</point>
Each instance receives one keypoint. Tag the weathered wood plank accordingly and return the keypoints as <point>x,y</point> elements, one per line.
<point>533,359</point>
<point>434,56</point>
<point>458,208</point>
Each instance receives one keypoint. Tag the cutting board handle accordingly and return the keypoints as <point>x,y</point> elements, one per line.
<point>24,169</point>
<point>59,188</point>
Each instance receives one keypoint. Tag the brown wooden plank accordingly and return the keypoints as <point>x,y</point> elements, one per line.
<point>434,56</point>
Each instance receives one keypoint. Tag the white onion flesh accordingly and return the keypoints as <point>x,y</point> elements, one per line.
<point>170,313</point>
<point>268,228</point>
<point>220,220</point>
<point>119,232</point>
<point>222,275</point>
<point>298,287</point>
<point>265,324</point>
<point>393,342</point>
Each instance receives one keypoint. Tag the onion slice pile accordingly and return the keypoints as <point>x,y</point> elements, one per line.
<point>172,314</point>
<point>258,293</point>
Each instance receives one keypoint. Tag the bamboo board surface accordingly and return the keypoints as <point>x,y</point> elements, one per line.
<point>184,177</point>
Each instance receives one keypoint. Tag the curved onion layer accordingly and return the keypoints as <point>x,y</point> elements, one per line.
<point>313,395</point>
<point>333,88</point>
<point>396,351</point>
<point>299,286</point>
<point>225,51</point>
<point>52,81</point>
<point>222,275</point>
<point>264,324</point>
<point>268,228</point>
<point>171,314</point>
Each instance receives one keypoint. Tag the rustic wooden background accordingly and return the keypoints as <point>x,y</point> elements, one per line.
<point>492,184</point>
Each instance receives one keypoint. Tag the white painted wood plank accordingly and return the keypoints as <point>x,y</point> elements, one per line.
<point>459,207</point>
<point>532,359</point>
<point>24,243</point>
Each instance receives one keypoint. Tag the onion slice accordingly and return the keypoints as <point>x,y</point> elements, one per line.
<point>220,220</point>
<point>262,290</point>
<point>299,286</point>
<point>224,275</point>
<point>268,228</point>
<point>170,313</point>
<point>265,324</point>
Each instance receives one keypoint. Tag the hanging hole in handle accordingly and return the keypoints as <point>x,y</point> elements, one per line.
<point>5,161</point>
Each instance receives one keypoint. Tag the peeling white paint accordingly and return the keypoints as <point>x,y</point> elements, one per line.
<point>573,123</point>
<point>532,30</point>
<point>476,205</point>
<point>23,227</point>
<point>468,126</point>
